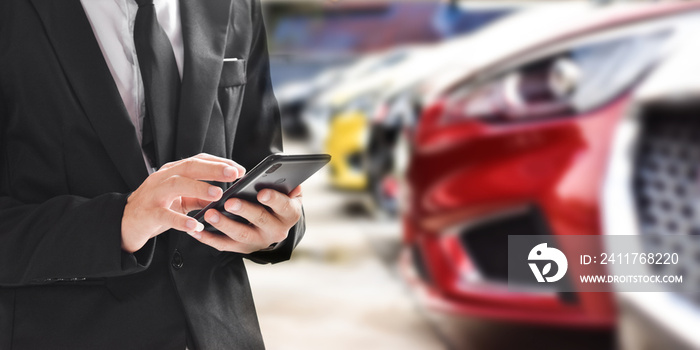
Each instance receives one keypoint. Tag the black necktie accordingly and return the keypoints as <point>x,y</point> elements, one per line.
<point>160,77</point>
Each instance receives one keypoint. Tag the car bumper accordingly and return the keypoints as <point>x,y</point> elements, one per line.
<point>476,174</point>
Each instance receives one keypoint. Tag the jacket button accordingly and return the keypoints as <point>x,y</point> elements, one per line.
<point>177,261</point>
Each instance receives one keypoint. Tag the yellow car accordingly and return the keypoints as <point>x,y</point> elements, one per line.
<point>351,107</point>
<point>346,143</point>
<point>337,118</point>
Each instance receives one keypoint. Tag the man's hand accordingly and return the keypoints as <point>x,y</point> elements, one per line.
<point>166,196</point>
<point>266,227</point>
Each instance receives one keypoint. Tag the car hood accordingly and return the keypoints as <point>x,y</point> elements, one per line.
<point>676,79</point>
<point>527,32</point>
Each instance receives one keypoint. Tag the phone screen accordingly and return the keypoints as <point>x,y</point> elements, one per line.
<point>282,173</point>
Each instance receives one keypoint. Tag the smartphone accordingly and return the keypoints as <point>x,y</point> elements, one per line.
<point>279,172</point>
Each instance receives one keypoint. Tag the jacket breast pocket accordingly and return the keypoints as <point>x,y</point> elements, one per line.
<point>233,73</point>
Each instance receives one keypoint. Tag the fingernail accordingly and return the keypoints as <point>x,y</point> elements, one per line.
<point>199,228</point>
<point>196,235</point>
<point>230,171</point>
<point>214,218</point>
<point>265,196</point>
<point>214,191</point>
<point>236,206</point>
<point>191,224</point>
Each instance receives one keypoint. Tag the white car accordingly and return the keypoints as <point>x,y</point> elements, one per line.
<point>650,192</point>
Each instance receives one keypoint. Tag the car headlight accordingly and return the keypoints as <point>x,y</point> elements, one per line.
<point>569,82</point>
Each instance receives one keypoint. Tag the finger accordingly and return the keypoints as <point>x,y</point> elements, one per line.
<point>296,192</point>
<point>237,231</point>
<point>222,242</point>
<point>200,169</point>
<point>178,186</point>
<point>192,204</point>
<point>203,156</point>
<point>178,221</point>
<point>206,156</point>
<point>285,208</point>
<point>256,214</point>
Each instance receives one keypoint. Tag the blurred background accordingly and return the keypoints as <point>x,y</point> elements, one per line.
<point>453,124</point>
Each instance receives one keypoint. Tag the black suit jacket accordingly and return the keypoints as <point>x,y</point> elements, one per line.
<point>69,157</point>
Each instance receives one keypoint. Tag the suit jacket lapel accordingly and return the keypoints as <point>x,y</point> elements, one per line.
<point>81,58</point>
<point>204,30</point>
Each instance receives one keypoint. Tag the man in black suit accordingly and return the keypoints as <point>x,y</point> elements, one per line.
<point>94,252</point>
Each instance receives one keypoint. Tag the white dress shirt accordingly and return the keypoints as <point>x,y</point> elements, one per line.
<point>112,22</point>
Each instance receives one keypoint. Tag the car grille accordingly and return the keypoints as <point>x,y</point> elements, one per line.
<point>487,242</point>
<point>666,189</point>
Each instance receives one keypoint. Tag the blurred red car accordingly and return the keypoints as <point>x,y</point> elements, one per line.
<point>519,146</point>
